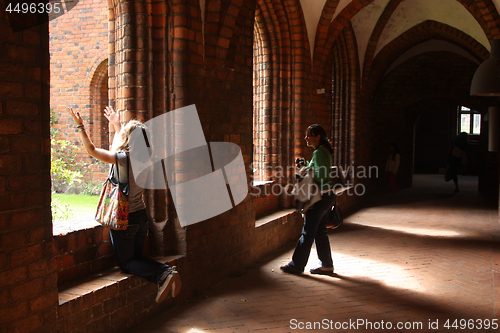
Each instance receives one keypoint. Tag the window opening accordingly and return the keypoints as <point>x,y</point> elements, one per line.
<point>78,78</point>
<point>469,121</point>
<point>261,95</point>
<point>342,126</point>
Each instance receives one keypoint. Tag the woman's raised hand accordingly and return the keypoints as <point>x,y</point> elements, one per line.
<point>76,117</point>
<point>112,116</point>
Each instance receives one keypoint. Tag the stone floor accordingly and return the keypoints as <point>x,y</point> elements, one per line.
<point>424,260</point>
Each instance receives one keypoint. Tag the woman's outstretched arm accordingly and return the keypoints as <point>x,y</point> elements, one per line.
<point>103,155</point>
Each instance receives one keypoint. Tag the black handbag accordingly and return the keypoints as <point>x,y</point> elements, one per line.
<point>335,219</point>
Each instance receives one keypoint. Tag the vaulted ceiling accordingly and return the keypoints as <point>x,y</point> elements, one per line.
<point>382,21</point>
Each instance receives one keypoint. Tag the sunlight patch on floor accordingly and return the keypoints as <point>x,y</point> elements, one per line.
<point>435,232</point>
<point>358,270</point>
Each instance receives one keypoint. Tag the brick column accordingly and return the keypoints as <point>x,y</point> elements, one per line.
<point>28,277</point>
<point>146,78</point>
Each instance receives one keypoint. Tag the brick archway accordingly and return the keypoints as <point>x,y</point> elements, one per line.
<point>98,125</point>
<point>98,101</point>
<point>329,30</point>
<point>222,25</point>
<point>375,37</point>
<point>281,89</point>
<point>345,89</point>
<point>282,24</point>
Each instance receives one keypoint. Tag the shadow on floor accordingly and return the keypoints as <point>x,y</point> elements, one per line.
<point>424,256</point>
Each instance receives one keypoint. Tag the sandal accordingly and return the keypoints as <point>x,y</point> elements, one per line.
<point>322,271</point>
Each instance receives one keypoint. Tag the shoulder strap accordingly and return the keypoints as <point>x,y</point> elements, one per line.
<point>127,166</point>
<point>117,168</point>
<point>124,187</point>
<point>116,162</point>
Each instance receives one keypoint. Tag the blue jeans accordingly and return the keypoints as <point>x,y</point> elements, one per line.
<point>128,245</point>
<point>314,230</point>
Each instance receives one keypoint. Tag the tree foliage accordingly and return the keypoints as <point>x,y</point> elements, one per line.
<point>65,168</point>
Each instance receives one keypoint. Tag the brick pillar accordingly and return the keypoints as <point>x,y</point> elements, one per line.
<point>28,278</point>
<point>141,51</point>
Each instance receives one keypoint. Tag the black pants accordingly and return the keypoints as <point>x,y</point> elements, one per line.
<point>128,245</point>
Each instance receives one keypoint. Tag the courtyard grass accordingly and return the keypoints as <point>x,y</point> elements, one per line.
<point>68,206</point>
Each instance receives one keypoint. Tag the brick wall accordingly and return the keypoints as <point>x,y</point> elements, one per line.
<point>423,111</point>
<point>162,58</point>
<point>28,277</point>
<point>265,198</point>
<point>82,253</point>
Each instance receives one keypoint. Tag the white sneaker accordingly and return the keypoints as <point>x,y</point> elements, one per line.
<point>170,281</point>
<point>176,285</point>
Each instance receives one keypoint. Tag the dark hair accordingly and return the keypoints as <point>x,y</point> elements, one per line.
<point>316,129</point>
<point>395,150</point>
<point>461,141</point>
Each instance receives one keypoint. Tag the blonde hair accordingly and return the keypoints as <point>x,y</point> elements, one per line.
<point>127,130</point>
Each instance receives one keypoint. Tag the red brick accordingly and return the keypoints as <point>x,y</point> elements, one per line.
<point>71,241</point>
<point>36,235</point>
<point>21,108</point>
<point>41,268</point>
<point>26,290</point>
<point>2,186</point>
<point>32,127</point>
<point>11,89</point>
<point>15,275</point>
<point>17,183</point>
<point>43,302</point>
<point>105,234</point>
<point>27,324</point>
<point>20,52</point>
<point>13,239</point>
<point>35,198</point>
<point>33,91</point>
<point>11,201</point>
<point>81,238</point>
<point>25,218</point>
<point>10,126</point>
<point>34,74</point>
<point>105,249</point>
<point>4,314</point>
<point>68,274</point>
<point>58,262</point>
<point>26,255</point>
<point>67,261</point>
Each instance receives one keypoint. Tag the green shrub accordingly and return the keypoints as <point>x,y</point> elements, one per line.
<point>60,211</point>
<point>63,165</point>
<point>65,170</point>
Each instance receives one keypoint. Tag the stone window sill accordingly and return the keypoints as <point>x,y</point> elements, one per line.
<point>99,285</point>
<point>75,224</point>
<point>281,215</point>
